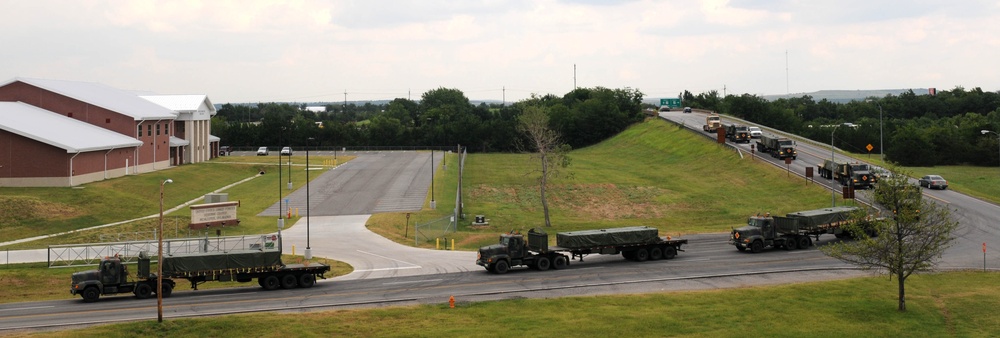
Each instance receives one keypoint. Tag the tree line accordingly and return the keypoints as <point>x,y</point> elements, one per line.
<point>916,130</point>
<point>442,117</point>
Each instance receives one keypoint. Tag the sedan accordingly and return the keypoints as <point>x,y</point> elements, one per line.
<point>286,151</point>
<point>933,181</point>
<point>262,151</point>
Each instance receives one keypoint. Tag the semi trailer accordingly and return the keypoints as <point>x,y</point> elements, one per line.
<point>793,231</point>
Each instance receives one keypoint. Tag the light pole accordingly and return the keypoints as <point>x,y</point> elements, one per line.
<point>432,180</point>
<point>833,158</point>
<point>289,167</point>
<point>984,131</point>
<point>881,149</point>
<point>159,259</point>
<point>308,246</point>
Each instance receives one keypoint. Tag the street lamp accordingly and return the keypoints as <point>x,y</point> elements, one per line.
<point>432,180</point>
<point>984,131</point>
<point>833,158</point>
<point>159,259</point>
<point>289,167</point>
<point>881,150</point>
<point>308,247</point>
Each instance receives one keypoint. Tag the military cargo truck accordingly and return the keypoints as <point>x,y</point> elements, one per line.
<point>738,133</point>
<point>778,147</point>
<point>263,263</point>
<point>634,243</point>
<point>857,174</point>
<point>792,231</point>
<point>712,123</point>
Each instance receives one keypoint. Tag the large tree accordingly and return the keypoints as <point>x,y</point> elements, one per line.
<point>917,232</point>
<point>549,150</point>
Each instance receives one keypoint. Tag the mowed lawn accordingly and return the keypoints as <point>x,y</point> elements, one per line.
<point>654,174</point>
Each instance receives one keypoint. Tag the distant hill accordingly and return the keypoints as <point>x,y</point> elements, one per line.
<point>844,96</point>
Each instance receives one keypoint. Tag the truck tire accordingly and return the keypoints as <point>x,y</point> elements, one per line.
<point>289,281</point>
<point>655,253</point>
<point>757,246</point>
<point>641,254</point>
<point>168,289</point>
<point>543,263</point>
<point>501,267</point>
<point>790,244</point>
<point>270,282</point>
<point>629,255</point>
<point>91,294</point>
<point>559,262</point>
<point>805,242</point>
<point>307,280</point>
<point>669,252</point>
<point>143,291</point>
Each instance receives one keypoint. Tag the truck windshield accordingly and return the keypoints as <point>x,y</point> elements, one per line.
<point>755,222</point>
<point>714,119</point>
<point>860,167</point>
<point>504,240</point>
<point>786,143</point>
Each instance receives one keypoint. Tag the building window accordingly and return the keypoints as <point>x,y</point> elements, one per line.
<point>157,129</point>
<point>138,131</point>
<point>149,130</point>
<point>166,128</point>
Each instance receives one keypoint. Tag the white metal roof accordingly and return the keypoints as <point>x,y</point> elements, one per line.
<point>182,103</point>
<point>117,100</point>
<point>59,131</point>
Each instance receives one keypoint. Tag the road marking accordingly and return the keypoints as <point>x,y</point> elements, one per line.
<point>391,259</point>
<point>697,259</point>
<point>384,269</point>
<point>28,308</point>
<point>416,281</point>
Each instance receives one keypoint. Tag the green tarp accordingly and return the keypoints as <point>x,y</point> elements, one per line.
<point>606,237</point>
<point>813,219</point>
<point>185,264</point>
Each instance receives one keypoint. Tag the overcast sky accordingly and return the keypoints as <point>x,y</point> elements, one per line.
<point>249,51</point>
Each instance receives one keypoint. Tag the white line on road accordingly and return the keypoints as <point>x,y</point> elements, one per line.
<point>416,281</point>
<point>391,259</point>
<point>384,269</point>
<point>28,308</point>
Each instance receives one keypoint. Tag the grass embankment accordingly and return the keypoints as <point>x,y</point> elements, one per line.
<point>654,174</point>
<point>29,212</point>
<point>947,304</point>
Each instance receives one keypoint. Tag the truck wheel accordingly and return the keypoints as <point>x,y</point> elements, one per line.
<point>143,291</point>
<point>629,255</point>
<point>790,244</point>
<point>168,289</point>
<point>669,252</point>
<point>543,263</point>
<point>655,253</point>
<point>307,280</point>
<point>756,246</point>
<point>559,262</point>
<point>804,242</point>
<point>501,267</point>
<point>271,282</point>
<point>91,294</point>
<point>289,281</point>
<point>641,255</point>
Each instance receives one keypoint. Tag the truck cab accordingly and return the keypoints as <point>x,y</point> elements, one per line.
<point>112,277</point>
<point>509,250</point>
<point>757,231</point>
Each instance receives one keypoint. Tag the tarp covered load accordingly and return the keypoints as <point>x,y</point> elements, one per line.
<point>813,219</point>
<point>606,237</point>
<point>212,263</point>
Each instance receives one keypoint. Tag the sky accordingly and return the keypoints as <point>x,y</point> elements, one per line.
<point>316,51</point>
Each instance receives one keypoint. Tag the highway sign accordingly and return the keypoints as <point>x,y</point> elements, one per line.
<point>672,103</point>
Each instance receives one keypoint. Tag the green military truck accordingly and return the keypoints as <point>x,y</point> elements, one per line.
<point>858,175</point>
<point>793,231</point>
<point>263,263</point>
<point>737,133</point>
<point>776,146</point>
<point>634,243</point>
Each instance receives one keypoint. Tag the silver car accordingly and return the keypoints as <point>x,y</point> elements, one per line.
<point>262,151</point>
<point>933,181</point>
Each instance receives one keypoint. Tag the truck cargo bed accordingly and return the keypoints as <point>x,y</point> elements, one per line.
<point>606,237</point>
<point>182,265</point>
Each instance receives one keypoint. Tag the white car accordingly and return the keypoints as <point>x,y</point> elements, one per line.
<point>755,132</point>
<point>286,151</point>
<point>262,151</point>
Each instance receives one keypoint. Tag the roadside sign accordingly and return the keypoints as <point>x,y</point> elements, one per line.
<point>869,147</point>
<point>672,103</point>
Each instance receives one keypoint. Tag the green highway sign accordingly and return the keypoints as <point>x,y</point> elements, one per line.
<point>672,103</point>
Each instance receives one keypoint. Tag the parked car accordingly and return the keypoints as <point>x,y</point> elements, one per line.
<point>225,150</point>
<point>286,151</point>
<point>262,151</point>
<point>755,132</point>
<point>933,181</point>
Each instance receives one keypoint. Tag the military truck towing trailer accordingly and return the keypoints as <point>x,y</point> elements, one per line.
<point>634,243</point>
<point>778,147</point>
<point>263,264</point>
<point>793,231</point>
<point>712,123</point>
<point>738,133</point>
<point>857,174</point>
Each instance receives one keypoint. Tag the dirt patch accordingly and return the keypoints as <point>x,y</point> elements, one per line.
<point>18,209</point>
<point>594,201</point>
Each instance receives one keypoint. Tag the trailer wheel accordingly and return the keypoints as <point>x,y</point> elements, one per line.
<point>289,281</point>
<point>790,244</point>
<point>641,255</point>
<point>756,246</point>
<point>543,263</point>
<point>805,242</point>
<point>91,294</point>
<point>669,252</point>
<point>307,280</point>
<point>168,289</point>
<point>559,262</point>
<point>143,291</point>
<point>655,253</point>
<point>501,267</point>
<point>271,282</point>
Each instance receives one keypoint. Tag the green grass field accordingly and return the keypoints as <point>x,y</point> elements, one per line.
<point>957,304</point>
